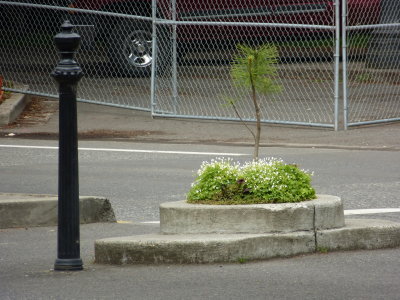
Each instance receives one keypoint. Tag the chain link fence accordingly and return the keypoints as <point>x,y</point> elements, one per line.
<point>174,57</point>
<point>372,72</point>
<point>205,35</point>
<point>28,54</point>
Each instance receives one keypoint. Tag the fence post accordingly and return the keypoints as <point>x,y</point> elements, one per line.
<point>344,64</point>
<point>153,83</point>
<point>174,60</point>
<point>337,62</point>
<point>67,73</point>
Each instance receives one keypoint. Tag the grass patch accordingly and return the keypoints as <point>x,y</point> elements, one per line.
<point>322,250</point>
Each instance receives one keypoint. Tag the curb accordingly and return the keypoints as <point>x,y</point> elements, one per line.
<point>358,234</point>
<point>197,233</point>
<point>26,210</point>
<point>11,108</point>
<point>201,248</point>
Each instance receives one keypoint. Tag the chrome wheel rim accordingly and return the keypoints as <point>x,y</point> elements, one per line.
<point>138,49</point>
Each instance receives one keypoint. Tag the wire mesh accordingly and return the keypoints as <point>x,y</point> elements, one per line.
<point>373,70</point>
<point>205,87</point>
<point>115,51</point>
<point>196,43</point>
<point>26,50</point>
<point>202,86</point>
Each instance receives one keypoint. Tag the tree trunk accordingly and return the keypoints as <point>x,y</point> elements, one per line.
<point>256,108</point>
<point>258,124</point>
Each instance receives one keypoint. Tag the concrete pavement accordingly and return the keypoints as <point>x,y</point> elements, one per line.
<point>27,257</point>
<point>97,122</point>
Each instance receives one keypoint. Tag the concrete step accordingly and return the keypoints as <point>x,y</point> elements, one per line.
<point>212,248</point>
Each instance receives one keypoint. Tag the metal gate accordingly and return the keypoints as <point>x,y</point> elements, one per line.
<point>305,34</point>
<point>28,54</point>
<point>371,65</point>
<point>182,54</point>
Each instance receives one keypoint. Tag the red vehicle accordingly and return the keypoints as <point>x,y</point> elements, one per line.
<point>129,41</point>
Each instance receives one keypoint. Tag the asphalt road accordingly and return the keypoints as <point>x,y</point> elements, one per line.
<point>136,182</point>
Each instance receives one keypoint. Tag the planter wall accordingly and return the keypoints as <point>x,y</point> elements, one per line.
<point>183,218</point>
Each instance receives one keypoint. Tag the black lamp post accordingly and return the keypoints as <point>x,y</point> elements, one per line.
<point>67,73</point>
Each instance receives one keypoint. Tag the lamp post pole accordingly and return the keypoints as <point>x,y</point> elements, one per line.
<point>67,73</point>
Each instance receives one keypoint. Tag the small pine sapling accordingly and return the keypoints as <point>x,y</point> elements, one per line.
<point>254,69</point>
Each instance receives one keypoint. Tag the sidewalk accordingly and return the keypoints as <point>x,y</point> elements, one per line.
<point>105,122</point>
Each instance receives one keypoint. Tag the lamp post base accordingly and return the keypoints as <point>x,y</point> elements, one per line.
<point>71,264</point>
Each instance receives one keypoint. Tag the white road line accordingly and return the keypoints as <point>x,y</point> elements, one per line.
<point>29,147</point>
<point>124,222</point>
<point>129,150</point>
<point>151,222</point>
<point>347,212</point>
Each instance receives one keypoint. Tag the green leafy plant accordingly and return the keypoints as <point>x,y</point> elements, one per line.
<point>254,69</point>
<point>268,180</point>
<point>242,260</point>
<point>213,177</point>
<point>322,250</point>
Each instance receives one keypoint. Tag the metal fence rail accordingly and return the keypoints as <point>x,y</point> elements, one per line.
<point>174,57</point>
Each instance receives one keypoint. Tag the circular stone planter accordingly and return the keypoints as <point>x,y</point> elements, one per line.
<point>180,217</point>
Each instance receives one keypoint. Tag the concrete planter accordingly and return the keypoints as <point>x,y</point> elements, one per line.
<point>192,233</point>
<point>12,107</point>
<point>183,218</point>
